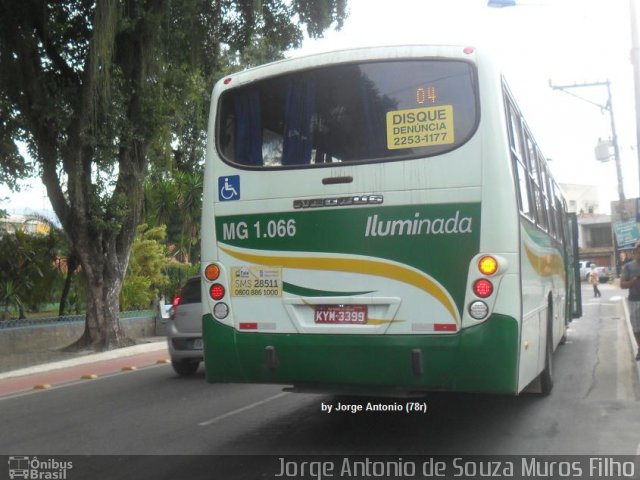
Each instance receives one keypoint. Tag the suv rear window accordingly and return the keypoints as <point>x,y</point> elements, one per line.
<point>350,113</point>
<point>191,292</point>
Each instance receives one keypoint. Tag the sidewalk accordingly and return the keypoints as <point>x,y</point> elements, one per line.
<point>21,364</point>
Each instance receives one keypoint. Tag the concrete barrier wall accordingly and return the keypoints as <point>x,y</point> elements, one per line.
<point>56,335</point>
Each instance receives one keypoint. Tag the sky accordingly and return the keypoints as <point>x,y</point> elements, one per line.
<point>538,41</point>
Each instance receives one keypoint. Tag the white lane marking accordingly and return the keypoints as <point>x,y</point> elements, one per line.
<point>239,410</point>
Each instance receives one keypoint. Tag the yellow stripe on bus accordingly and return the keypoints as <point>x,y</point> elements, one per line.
<point>367,267</point>
<point>547,264</point>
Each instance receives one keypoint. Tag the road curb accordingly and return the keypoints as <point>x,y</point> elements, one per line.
<point>632,338</point>
<point>87,359</point>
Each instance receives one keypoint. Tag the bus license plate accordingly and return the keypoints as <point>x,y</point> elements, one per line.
<point>337,314</point>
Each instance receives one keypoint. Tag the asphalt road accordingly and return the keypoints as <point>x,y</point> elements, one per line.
<point>593,410</point>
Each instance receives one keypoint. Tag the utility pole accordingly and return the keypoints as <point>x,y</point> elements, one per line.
<point>614,137</point>
<point>622,209</point>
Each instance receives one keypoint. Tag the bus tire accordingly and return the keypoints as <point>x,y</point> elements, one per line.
<point>546,376</point>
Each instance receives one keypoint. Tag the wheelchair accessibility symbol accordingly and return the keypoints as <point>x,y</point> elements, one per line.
<point>229,188</point>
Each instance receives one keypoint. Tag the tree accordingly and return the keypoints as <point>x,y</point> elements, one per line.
<point>94,89</point>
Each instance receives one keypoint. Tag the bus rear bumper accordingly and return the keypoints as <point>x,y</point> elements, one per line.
<point>477,359</point>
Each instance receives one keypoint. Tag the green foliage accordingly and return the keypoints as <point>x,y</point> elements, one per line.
<point>9,297</point>
<point>145,273</point>
<point>13,167</point>
<point>178,273</point>
<point>176,201</point>
<point>28,275</point>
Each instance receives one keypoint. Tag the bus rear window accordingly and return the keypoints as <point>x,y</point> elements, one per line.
<point>372,111</point>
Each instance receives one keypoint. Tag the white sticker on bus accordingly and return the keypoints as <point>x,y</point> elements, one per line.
<point>252,281</point>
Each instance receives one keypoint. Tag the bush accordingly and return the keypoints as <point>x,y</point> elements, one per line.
<point>145,273</point>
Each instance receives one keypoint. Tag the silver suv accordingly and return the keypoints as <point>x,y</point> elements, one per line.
<point>185,329</point>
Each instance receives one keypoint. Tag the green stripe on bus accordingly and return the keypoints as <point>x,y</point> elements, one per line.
<point>478,359</point>
<point>311,292</point>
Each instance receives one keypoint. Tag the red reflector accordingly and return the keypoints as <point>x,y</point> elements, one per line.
<point>483,288</point>
<point>444,327</point>
<point>227,80</point>
<point>469,50</point>
<point>248,325</point>
<point>216,291</point>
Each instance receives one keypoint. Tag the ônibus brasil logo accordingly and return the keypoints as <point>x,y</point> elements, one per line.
<point>38,469</point>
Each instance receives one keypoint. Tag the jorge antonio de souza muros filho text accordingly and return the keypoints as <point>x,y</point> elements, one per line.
<point>525,467</point>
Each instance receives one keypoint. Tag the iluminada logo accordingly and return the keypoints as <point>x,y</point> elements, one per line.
<point>33,468</point>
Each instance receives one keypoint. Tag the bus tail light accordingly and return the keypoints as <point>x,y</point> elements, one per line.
<point>483,288</point>
<point>217,291</point>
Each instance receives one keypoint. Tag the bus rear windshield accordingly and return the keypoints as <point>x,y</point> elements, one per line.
<point>373,111</point>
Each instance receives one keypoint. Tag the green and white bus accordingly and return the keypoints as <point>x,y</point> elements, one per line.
<point>381,221</point>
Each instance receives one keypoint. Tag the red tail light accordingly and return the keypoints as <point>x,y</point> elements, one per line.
<point>174,306</point>
<point>176,300</point>
<point>483,288</point>
<point>216,291</point>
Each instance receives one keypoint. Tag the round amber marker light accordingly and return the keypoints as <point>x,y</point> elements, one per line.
<point>488,265</point>
<point>212,272</point>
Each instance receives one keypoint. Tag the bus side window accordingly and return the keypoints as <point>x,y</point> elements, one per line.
<point>519,170</point>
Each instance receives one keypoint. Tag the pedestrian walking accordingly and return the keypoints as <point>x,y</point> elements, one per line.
<point>595,280</point>
<point>630,279</point>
